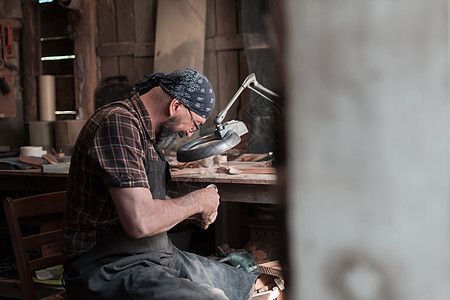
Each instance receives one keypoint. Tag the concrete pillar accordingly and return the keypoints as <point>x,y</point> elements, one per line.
<point>368,129</point>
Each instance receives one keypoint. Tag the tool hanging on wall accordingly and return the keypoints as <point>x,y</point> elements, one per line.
<point>7,52</point>
<point>4,87</point>
<point>7,42</point>
<point>7,67</point>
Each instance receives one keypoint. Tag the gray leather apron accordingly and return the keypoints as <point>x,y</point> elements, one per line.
<point>120,267</point>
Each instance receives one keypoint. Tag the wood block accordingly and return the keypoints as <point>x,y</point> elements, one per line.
<point>32,161</point>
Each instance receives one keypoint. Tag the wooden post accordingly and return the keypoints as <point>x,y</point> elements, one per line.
<point>85,65</point>
<point>31,58</point>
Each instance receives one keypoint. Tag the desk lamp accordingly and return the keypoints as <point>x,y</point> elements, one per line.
<point>226,135</point>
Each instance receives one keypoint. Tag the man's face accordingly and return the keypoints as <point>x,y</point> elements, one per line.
<point>183,124</point>
<point>167,134</point>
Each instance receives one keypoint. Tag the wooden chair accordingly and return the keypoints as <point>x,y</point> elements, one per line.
<point>50,205</point>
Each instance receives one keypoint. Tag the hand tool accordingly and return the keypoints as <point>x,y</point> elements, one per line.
<point>241,259</point>
<point>4,87</point>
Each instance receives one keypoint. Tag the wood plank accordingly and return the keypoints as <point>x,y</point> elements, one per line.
<point>143,66</point>
<point>144,49</point>
<point>145,20</point>
<point>109,67</point>
<point>32,161</point>
<point>126,48</point>
<point>106,20</point>
<point>224,43</point>
<point>126,33</point>
<point>228,42</point>
<point>180,35</point>
<point>210,69</point>
<point>211,74</point>
<point>43,238</point>
<point>191,171</point>
<point>106,33</point>
<point>226,17</point>
<point>228,70</point>
<point>263,179</point>
<point>210,30</point>
<point>125,20</point>
<point>115,49</point>
<point>145,29</point>
<point>127,67</point>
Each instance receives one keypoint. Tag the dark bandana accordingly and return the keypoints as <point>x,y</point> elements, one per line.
<point>188,86</point>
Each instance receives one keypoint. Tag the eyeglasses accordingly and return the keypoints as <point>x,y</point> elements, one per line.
<point>193,121</point>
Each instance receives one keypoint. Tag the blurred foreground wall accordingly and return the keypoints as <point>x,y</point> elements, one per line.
<point>368,129</point>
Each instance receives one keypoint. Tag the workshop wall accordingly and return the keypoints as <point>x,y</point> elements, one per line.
<point>126,43</point>
<point>368,189</point>
<point>121,35</point>
<point>11,103</point>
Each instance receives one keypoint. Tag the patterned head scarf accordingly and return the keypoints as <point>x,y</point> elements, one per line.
<point>188,86</point>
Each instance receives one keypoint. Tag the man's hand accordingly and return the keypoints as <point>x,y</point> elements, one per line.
<point>208,201</point>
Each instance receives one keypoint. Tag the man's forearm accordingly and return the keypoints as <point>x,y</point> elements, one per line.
<point>141,215</point>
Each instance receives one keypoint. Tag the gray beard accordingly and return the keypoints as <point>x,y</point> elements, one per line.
<point>166,135</point>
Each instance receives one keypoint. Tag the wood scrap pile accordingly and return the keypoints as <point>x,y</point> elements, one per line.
<point>270,282</point>
<point>243,164</point>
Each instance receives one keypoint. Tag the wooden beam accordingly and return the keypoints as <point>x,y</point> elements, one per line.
<point>218,43</point>
<point>126,48</point>
<point>85,66</point>
<point>31,58</point>
<point>115,49</point>
<point>224,43</point>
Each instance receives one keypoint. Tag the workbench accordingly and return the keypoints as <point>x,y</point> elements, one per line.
<point>242,188</point>
<point>249,188</point>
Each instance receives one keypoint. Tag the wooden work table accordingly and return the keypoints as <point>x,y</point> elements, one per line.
<point>250,188</point>
<point>241,188</point>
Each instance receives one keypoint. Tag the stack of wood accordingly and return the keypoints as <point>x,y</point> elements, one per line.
<point>243,164</point>
<point>270,282</point>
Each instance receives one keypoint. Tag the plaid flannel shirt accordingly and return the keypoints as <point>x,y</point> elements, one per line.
<point>109,152</point>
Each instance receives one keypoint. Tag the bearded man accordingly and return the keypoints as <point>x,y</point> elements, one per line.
<point>118,215</point>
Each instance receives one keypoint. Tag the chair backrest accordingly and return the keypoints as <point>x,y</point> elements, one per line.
<point>50,204</point>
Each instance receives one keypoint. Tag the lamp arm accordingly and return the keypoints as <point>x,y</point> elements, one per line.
<point>266,90</point>
<point>248,82</point>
